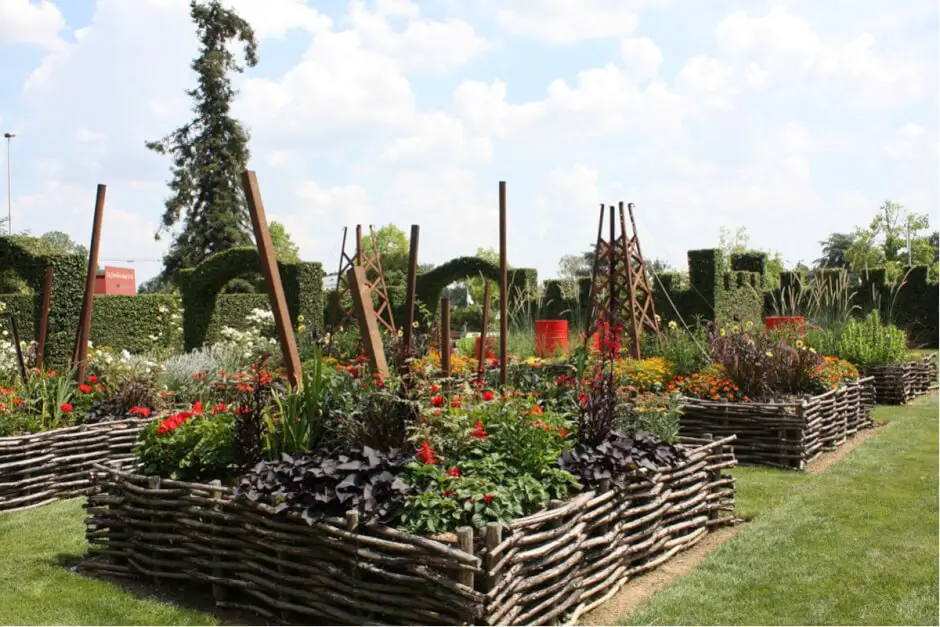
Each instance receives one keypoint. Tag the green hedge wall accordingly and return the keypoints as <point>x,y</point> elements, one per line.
<point>200,287</point>
<point>68,285</point>
<point>133,323</point>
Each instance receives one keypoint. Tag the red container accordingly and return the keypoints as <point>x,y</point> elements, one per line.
<point>551,337</point>
<point>490,348</point>
<point>798,322</point>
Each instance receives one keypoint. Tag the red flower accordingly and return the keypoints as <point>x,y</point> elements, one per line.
<point>143,412</point>
<point>92,379</point>
<point>435,388</point>
<point>487,498</point>
<point>218,409</point>
<point>488,395</point>
<point>437,401</point>
<point>583,399</point>
<point>243,411</point>
<point>479,431</point>
<point>455,402</point>
<point>426,454</point>
<point>197,408</point>
<point>66,407</point>
<point>564,432</point>
<point>536,410</point>
<point>454,472</point>
<point>173,422</point>
<point>84,388</point>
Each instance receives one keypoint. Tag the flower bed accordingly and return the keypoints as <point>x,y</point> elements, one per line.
<point>783,434</point>
<point>897,384</point>
<point>560,562</point>
<point>43,467</point>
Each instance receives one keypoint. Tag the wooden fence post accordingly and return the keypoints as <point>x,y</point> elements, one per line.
<point>485,323</point>
<point>503,286</point>
<point>272,277</point>
<point>368,325</point>
<point>411,286</point>
<point>80,355</point>
<point>445,337</point>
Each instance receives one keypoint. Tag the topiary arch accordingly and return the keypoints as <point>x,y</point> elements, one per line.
<point>206,310</point>
<point>430,285</point>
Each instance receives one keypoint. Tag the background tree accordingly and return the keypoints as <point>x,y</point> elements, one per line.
<point>210,152</point>
<point>393,248</point>
<point>285,248</point>
<point>834,250</point>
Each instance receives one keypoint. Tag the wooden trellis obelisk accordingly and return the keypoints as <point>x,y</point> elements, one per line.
<point>620,289</point>
<point>377,289</point>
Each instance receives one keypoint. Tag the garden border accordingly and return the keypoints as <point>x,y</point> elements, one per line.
<point>43,467</point>
<point>784,434</point>
<point>562,561</point>
<point>896,384</point>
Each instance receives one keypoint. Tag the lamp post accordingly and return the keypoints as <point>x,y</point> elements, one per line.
<point>9,137</point>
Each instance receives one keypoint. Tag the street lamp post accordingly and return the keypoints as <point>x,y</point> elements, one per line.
<point>9,137</point>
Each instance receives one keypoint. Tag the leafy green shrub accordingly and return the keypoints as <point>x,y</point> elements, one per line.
<point>655,414</point>
<point>190,446</point>
<point>871,343</point>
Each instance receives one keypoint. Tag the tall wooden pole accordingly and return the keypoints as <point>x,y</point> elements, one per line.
<point>368,322</point>
<point>485,323</point>
<point>19,349</point>
<point>44,317</point>
<point>503,286</point>
<point>84,325</point>
<point>285,333</point>
<point>411,287</point>
<point>445,336</point>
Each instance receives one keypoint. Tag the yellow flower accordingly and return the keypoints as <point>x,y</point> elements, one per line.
<point>301,328</point>
<point>722,332</point>
<point>748,325</point>
<point>400,333</point>
<point>799,344</point>
<point>812,350</point>
<point>769,354</point>
<point>300,318</point>
<point>414,324</point>
<point>673,325</point>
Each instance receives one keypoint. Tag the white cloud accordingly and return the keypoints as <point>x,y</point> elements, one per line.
<point>568,21</point>
<point>26,22</point>
<point>439,137</point>
<point>642,58</point>
<point>707,81</point>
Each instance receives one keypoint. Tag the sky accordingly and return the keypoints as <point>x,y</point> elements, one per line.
<point>794,119</point>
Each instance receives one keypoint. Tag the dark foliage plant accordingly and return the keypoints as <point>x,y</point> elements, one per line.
<point>618,457</point>
<point>327,485</point>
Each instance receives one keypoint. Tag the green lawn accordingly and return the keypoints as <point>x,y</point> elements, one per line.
<point>856,545</point>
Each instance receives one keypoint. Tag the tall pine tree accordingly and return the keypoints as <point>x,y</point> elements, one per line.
<point>210,152</point>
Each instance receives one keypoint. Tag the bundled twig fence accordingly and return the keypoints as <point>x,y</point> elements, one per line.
<point>783,434</point>
<point>43,467</point>
<point>899,383</point>
<point>540,569</point>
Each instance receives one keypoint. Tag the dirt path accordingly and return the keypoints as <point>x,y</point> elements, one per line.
<point>641,588</point>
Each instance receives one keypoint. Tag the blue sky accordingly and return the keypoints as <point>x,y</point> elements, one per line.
<point>791,118</point>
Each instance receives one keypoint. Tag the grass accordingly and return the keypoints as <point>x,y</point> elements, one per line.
<point>856,545</point>
<point>37,587</point>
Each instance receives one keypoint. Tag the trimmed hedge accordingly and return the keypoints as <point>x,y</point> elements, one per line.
<point>523,282</point>
<point>68,286</point>
<point>131,322</point>
<point>201,287</point>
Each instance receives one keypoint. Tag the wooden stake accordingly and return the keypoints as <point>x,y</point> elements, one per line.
<point>368,324</point>
<point>80,355</point>
<point>411,287</point>
<point>44,317</point>
<point>445,336</point>
<point>485,323</point>
<point>19,349</point>
<point>272,277</point>
<point>503,286</point>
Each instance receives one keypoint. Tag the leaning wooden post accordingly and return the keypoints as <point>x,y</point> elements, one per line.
<point>19,349</point>
<point>368,323</point>
<point>484,325</point>
<point>445,337</point>
<point>44,317</point>
<point>503,286</point>
<point>272,277</point>
<point>80,355</point>
<point>411,288</point>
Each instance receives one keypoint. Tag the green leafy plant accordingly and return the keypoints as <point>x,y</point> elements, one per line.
<point>190,446</point>
<point>869,342</point>
<point>655,414</point>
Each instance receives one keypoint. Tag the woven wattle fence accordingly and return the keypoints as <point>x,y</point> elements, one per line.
<point>899,383</point>
<point>43,467</point>
<point>783,434</point>
<point>553,565</point>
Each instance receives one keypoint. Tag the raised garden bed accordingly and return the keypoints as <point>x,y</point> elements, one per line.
<point>553,565</point>
<point>899,383</point>
<point>783,434</point>
<point>43,467</point>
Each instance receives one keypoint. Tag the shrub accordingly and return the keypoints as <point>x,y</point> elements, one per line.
<point>685,353</point>
<point>617,457</point>
<point>645,375</point>
<point>190,445</point>
<point>654,414</point>
<point>871,343</point>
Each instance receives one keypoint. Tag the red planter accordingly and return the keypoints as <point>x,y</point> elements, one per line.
<point>551,336</point>
<point>798,322</point>
<point>490,348</point>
